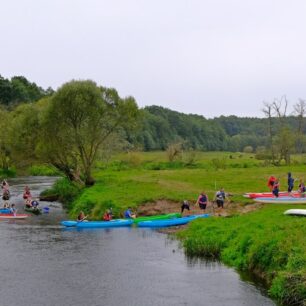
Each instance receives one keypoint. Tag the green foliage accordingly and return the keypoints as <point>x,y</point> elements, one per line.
<point>78,123</point>
<point>45,170</point>
<point>248,149</point>
<point>65,190</point>
<point>218,163</point>
<point>19,89</point>
<point>4,173</point>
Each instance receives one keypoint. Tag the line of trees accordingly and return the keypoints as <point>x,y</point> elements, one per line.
<point>279,132</point>
<point>19,90</point>
<point>75,126</point>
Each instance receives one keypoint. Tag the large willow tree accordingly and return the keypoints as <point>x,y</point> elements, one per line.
<point>80,119</point>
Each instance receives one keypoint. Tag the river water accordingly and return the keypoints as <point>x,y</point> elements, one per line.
<point>43,263</point>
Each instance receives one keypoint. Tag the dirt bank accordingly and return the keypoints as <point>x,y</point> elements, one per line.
<point>166,206</point>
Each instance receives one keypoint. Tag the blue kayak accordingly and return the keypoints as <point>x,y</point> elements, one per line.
<point>171,222</point>
<point>5,211</point>
<point>98,224</point>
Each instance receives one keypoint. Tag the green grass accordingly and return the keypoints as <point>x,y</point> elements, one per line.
<point>265,241</point>
<point>132,187</point>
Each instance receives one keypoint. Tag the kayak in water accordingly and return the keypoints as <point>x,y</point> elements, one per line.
<point>98,224</point>
<point>33,210</point>
<point>157,217</point>
<point>11,216</point>
<point>171,222</point>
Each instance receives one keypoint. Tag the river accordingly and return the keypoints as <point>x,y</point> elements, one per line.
<point>44,264</point>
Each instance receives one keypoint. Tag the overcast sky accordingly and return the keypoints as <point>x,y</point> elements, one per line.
<point>209,57</point>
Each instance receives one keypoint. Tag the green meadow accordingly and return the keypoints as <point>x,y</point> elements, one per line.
<point>265,241</point>
<point>138,178</point>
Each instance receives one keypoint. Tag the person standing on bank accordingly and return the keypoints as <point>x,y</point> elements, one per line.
<point>202,200</point>
<point>185,205</point>
<point>220,198</point>
<point>290,182</point>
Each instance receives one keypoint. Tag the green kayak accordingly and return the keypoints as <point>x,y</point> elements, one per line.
<point>157,217</point>
<point>33,210</point>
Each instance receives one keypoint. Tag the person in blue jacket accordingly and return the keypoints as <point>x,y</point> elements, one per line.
<point>290,182</point>
<point>128,214</point>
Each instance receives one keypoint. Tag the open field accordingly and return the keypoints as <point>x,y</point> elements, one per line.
<point>140,178</point>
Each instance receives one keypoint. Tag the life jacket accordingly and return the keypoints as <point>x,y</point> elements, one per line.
<point>220,195</point>
<point>107,217</point>
<point>203,199</point>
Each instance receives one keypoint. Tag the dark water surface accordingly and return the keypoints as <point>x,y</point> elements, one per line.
<point>45,264</point>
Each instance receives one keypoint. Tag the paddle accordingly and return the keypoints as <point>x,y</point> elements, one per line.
<point>79,221</point>
<point>212,205</point>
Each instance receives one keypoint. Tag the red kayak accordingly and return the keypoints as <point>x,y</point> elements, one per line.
<point>11,216</point>
<point>294,194</point>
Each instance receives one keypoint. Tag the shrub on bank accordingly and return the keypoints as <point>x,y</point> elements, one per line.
<point>65,190</point>
<point>11,172</point>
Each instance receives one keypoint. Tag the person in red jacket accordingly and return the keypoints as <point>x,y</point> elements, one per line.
<point>271,182</point>
<point>107,216</point>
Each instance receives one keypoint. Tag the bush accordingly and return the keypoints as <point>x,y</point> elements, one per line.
<point>218,163</point>
<point>248,149</point>
<point>11,172</point>
<point>65,190</point>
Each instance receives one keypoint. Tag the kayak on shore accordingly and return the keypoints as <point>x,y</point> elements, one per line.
<point>171,222</point>
<point>98,224</point>
<point>253,195</point>
<point>296,212</point>
<point>157,217</point>
<point>281,200</point>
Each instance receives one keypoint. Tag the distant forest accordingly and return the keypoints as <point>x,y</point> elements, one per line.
<point>161,127</point>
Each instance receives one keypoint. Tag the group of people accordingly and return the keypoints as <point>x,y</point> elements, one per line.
<point>29,201</point>
<point>6,196</point>
<point>274,185</point>
<point>108,215</point>
<point>203,201</point>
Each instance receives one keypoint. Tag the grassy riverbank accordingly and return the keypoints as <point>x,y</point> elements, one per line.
<point>266,242</point>
<point>138,179</point>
